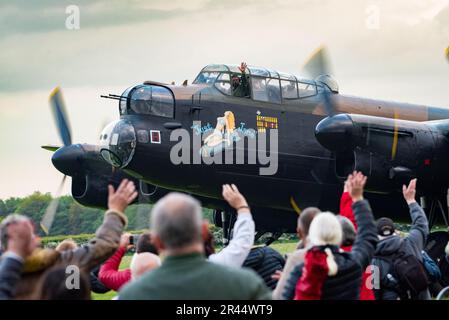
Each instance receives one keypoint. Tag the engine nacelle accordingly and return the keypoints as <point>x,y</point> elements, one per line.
<point>91,176</point>
<point>389,151</point>
<point>92,190</point>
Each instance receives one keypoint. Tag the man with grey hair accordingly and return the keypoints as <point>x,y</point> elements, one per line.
<point>185,273</point>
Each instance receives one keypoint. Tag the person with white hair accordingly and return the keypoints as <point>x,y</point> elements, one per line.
<point>328,272</point>
<point>142,263</point>
<point>185,272</point>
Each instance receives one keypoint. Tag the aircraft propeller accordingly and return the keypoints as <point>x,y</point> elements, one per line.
<point>60,116</point>
<point>317,66</point>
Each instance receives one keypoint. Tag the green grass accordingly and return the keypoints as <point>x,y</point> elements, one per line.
<point>282,247</point>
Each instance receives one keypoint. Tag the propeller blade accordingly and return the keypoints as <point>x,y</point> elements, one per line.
<point>447,54</point>
<point>318,66</point>
<point>318,63</point>
<point>50,212</point>
<point>59,113</point>
<point>329,105</point>
<point>50,148</point>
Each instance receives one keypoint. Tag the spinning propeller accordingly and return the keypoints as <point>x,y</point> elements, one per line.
<point>60,116</point>
<point>318,67</point>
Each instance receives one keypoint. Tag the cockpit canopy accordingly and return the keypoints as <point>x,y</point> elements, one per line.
<point>261,84</point>
<point>148,100</point>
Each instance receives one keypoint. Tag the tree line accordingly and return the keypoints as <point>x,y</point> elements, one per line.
<point>72,218</point>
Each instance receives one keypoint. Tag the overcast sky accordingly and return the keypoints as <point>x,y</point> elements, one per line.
<point>381,49</point>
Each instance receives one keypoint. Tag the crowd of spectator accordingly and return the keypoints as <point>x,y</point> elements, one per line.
<point>342,256</point>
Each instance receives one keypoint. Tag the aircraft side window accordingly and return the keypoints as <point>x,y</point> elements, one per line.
<point>141,100</point>
<point>162,102</point>
<point>223,83</point>
<point>289,89</point>
<point>152,100</point>
<point>306,89</point>
<point>224,77</point>
<point>259,88</point>
<point>273,91</point>
<point>224,87</point>
<point>206,77</point>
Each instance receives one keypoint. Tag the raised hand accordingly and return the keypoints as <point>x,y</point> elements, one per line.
<point>124,241</point>
<point>355,185</point>
<point>21,238</point>
<point>410,192</point>
<point>235,199</point>
<point>120,199</point>
<point>243,67</point>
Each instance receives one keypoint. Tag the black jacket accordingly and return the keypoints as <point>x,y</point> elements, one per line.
<point>265,261</point>
<point>10,274</point>
<point>95,284</point>
<point>345,285</point>
<point>414,243</point>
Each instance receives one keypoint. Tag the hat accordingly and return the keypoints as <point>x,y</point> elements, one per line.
<point>385,227</point>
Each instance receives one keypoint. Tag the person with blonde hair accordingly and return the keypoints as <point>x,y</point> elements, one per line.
<point>66,245</point>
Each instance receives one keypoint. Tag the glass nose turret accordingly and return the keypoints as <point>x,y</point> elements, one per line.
<point>118,143</point>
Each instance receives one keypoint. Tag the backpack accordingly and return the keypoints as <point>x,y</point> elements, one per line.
<point>405,275</point>
<point>432,269</point>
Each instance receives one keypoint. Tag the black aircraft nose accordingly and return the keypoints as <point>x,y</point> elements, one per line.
<point>68,159</point>
<point>335,133</point>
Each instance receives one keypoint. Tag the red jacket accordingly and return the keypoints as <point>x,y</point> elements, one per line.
<point>315,270</point>
<point>109,274</point>
<point>346,211</point>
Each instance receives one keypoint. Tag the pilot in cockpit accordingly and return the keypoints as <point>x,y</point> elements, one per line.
<point>290,91</point>
<point>240,84</point>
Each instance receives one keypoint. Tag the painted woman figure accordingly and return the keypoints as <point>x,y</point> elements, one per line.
<point>222,136</point>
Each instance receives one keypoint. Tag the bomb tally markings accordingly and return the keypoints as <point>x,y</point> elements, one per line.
<point>263,123</point>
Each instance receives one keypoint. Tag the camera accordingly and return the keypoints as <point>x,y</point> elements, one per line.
<point>134,238</point>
